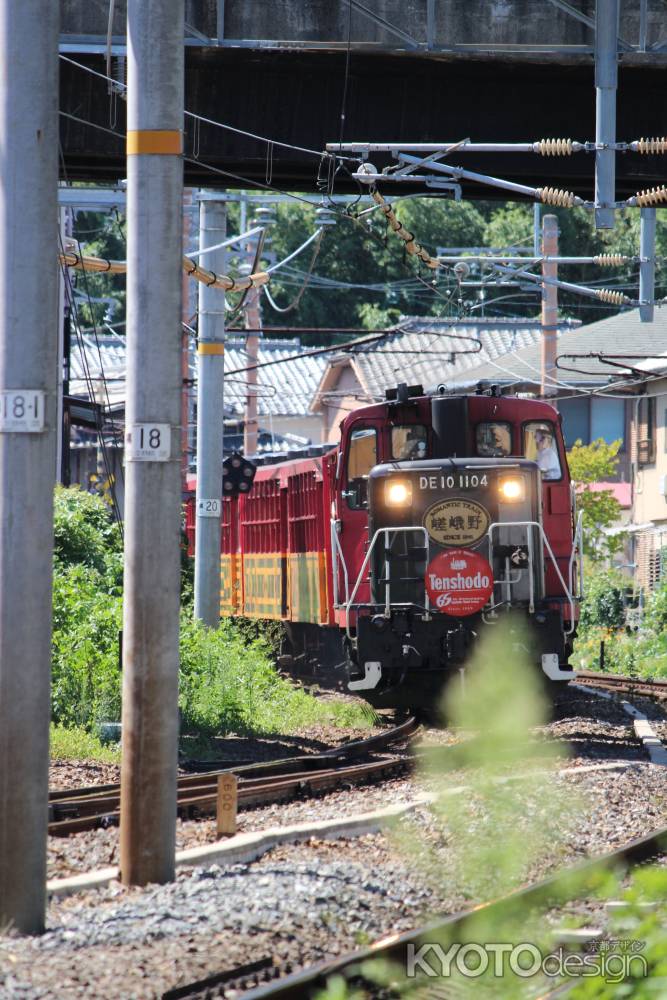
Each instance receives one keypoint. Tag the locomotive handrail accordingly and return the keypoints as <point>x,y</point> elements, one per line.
<point>387,587</point>
<point>578,550</point>
<point>337,550</point>
<point>545,542</point>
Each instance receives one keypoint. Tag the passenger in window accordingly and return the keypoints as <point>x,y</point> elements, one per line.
<point>547,454</point>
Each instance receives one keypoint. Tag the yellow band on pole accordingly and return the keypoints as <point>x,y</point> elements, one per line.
<point>155,141</point>
<point>206,348</point>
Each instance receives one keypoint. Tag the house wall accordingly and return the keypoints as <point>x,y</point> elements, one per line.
<point>309,426</point>
<point>649,502</point>
<point>347,394</point>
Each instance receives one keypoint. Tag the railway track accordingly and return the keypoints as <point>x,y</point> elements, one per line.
<point>264,980</point>
<point>621,684</point>
<point>98,806</point>
<point>569,883</point>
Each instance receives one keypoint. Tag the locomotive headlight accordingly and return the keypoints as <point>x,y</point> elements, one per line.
<point>512,489</point>
<point>397,493</point>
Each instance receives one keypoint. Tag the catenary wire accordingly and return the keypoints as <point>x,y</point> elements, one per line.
<point>210,121</point>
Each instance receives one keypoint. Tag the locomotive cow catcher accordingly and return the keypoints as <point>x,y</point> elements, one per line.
<point>387,557</point>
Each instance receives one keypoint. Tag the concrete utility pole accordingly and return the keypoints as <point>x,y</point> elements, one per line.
<point>28,415</point>
<point>606,80</point>
<point>549,306</point>
<point>253,324</point>
<point>647,265</point>
<point>152,440</point>
<point>210,376</point>
<point>185,348</point>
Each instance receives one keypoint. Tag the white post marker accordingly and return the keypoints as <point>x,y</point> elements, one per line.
<point>22,411</point>
<point>209,508</point>
<point>148,443</point>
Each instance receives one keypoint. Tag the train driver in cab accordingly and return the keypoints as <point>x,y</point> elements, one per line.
<point>547,458</point>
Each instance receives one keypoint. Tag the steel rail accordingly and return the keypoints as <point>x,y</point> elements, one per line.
<point>568,883</point>
<point>75,810</point>
<point>618,682</point>
<point>195,802</point>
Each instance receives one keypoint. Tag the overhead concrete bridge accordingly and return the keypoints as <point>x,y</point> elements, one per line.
<point>417,71</point>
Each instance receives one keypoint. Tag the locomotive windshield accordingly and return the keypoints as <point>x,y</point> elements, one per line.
<point>494,440</point>
<point>408,442</point>
<point>362,456</point>
<point>539,444</point>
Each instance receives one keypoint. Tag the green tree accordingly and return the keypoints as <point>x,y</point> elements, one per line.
<point>511,224</point>
<point>100,296</point>
<point>591,464</point>
<point>365,252</point>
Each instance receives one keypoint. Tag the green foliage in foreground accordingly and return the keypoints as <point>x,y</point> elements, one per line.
<point>488,842</point>
<point>78,744</point>
<point>227,683</point>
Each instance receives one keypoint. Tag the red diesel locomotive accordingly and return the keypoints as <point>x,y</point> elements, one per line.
<point>387,556</point>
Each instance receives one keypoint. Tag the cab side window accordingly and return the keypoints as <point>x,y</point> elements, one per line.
<point>493,440</point>
<point>539,445</point>
<point>361,457</point>
<point>408,442</point>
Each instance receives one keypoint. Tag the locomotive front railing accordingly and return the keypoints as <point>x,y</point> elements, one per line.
<point>577,554</point>
<point>386,533</point>
<point>567,590</point>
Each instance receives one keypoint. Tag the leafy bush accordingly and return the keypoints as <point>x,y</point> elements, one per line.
<point>641,653</point>
<point>227,679</point>
<point>604,601</point>
<point>87,616</point>
<point>84,532</point>
<point>228,683</point>
<point>77,744</point>
<point>87,610</point>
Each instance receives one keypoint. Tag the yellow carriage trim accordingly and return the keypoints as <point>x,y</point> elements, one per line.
<point>263,585</point>
<point>307,586</point>
<point>230,585</point>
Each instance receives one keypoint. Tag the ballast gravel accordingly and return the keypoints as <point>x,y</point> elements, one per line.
<point>301,903</point>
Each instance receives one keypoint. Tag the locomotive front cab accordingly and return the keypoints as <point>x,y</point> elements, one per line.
<point>456,539</point>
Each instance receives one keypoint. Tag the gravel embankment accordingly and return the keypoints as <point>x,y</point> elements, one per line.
<point>600,731</point>
<point>299,904</point>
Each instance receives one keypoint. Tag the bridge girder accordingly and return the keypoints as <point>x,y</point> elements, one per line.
<point>295,97</point>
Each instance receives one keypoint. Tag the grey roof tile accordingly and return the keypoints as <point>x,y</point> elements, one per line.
<point>620,334</point>
<point>429,351</point>
<point>284,389</point>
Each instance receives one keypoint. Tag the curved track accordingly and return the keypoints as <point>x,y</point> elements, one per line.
<point>72,811</point>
